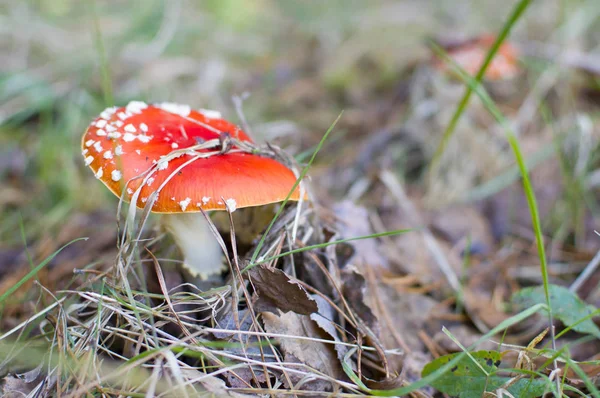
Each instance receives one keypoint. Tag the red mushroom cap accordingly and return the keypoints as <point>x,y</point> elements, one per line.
<point>157,146</point>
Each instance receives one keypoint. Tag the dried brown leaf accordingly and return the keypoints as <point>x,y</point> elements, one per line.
<point>354,222</point>
<point>19,385</point>
<point>244,345</point>
<point>354,286</point>
<point>324,318</point>
<point>213,384</point>
<point>315,354</point>
<point>277,290</point>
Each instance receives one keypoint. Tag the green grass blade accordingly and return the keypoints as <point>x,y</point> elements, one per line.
<point>35,270</point>
<point>489,104</point>
<point>300,178</point>
<point>527,187</point>
<point>104,69</point>
<point>516,14</point>
<point>321,245</point>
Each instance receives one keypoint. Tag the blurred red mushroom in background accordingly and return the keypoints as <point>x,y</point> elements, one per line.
<point>182,161</point>
<point>470,55</point>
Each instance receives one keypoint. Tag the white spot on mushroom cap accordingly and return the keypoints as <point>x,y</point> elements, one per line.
<point>85,151</point>
<point>89,143</point>
<point>99,173</point>
<point>101,123</point>
<point>115,135</point>
<point>119,150</point>
<point>130,128</point>
<point>119,123</point>
<point>128,137</point>
<point>116,175</point>
<point>210,114</point>
<point>150,181</point>
<point>205,199</point>
<point>136,106</point>
<point>144,138</point>
<point>144,127</point>
<point>174,145</point>
<point>130,191</point>
<point>178,109</point>
<point>184,203</point>
<point>231,205</point>
<point>110,128</point>
<point>108,155</point>
<point>108,112</point>
<point>100,133</point>
<point>89,160</point>
<point>98,146</point>
<point>122,115</point>
<point>138,151</point>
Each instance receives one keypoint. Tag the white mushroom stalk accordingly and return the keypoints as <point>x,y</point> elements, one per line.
<point>202,254</point>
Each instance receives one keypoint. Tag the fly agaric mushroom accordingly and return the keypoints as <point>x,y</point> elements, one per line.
<point>471,54</point>
<point>181,162</point>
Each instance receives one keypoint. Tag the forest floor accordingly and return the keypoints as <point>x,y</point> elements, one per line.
<point>448,245</point>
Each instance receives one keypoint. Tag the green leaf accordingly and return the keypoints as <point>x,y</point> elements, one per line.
<point>566,306</point>
<point>467,379</point>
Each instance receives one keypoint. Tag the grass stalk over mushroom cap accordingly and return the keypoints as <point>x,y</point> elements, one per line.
<point>170,159</point>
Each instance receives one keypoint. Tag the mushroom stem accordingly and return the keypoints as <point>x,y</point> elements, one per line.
<point>202,254</point>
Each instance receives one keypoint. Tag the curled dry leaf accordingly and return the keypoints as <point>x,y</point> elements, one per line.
<point>277,290</point>
<point>317,355</point>
<point>324,318</point>
<point>353,287</point>
<point>13,387</point>
<point>214,386</point>
<point>353,221</point>
<point>20,385</point>
<point>244,345</point>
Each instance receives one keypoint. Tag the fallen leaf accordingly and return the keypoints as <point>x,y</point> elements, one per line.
<point>315,354</point>
<point>244,345</point>
<point>20,385</point>
<point>15,387</point>
<point>353,288</point>
<point>213,384</point>
<point>353,221</point>
<point>324,318</point>
<point>277,290</point>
